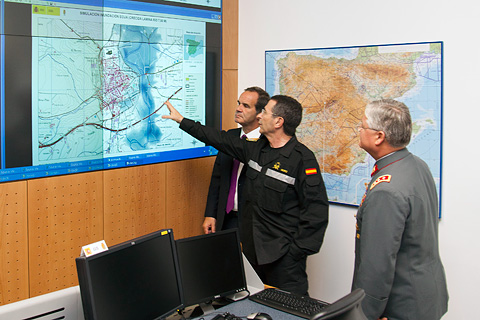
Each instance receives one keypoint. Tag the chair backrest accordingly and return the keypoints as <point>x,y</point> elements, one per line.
<point>62,304</point>
<point>346,308</point>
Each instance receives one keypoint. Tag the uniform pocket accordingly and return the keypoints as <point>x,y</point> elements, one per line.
<point>275,185</point>
<point>275,189</point>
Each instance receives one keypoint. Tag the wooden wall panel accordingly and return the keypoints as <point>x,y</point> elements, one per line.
<point>230,34</point>
<point>187,189</point>
<point>134,202</point>
<point>13,242</point>
<point>229,98</point>
<point>64,214</point>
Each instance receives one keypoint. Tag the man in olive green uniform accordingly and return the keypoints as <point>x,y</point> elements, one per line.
<point>397,260</point>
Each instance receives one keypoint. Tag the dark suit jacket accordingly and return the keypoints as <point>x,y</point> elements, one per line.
<point>220,184</point>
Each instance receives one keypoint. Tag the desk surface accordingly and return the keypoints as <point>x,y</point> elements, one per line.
<point>245,307</point>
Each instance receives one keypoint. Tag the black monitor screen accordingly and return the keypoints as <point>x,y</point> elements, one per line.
<point>83,83</point>
<point>138,279</point>
<point>211,266</point>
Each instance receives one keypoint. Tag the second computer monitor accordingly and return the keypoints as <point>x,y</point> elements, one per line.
<point>210,266</point>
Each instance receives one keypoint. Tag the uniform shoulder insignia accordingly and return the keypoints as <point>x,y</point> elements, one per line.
<point>384,178</point>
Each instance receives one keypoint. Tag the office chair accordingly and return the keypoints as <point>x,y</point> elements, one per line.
<point>346,308</point>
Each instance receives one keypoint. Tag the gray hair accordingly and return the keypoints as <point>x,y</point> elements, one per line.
<point>393,118</point>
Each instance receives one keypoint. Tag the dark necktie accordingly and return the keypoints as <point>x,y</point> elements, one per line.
<point>233,184</point>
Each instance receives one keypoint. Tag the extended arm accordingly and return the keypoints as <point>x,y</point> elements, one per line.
<point>220,140</point>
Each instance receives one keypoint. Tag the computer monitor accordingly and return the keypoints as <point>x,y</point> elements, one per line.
<point>211,266</point>
<point>138,279</point>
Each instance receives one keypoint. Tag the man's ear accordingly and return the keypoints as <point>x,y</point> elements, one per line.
<point>380,138</point>
<point>279,122</point>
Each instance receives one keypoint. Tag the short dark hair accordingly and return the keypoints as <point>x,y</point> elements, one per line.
<point>263,97</point>
<point>290,110</point>
<point>393,118</point>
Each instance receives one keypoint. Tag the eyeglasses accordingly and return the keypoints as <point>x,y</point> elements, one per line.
<point>361,127</point>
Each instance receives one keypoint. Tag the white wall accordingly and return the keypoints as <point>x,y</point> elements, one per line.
<point>287,24</point>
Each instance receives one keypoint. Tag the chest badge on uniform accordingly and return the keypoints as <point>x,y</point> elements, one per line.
<point>384,178</point>
<point>277,165</point>
<point>310,171</point>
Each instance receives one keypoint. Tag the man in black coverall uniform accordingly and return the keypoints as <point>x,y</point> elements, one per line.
<point>285,207</point>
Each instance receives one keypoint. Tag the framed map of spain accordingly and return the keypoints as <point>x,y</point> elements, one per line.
<point>334,85</point>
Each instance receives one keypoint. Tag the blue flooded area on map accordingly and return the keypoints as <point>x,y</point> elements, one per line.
<point>139,47</point>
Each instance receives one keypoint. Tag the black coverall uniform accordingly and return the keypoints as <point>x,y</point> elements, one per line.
<point>285,205</point>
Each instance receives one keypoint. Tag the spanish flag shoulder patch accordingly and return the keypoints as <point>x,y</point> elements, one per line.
<point>310,171</point>
<point>384,178</point>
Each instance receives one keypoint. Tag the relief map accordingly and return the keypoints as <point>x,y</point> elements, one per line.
<point>334,85</point>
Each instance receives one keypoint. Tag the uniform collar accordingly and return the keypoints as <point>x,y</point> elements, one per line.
<point>389,159</point>
<point>287,149</point>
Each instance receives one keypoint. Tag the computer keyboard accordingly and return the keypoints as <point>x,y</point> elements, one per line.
<point>226,316</point>
<point>298,305</point>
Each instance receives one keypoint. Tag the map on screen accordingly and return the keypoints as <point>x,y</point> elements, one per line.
<point>334,85</point>
<point>83,83</point>
<point>101,80</point>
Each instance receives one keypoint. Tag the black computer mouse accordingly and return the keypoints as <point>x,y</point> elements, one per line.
<point>259,316</point>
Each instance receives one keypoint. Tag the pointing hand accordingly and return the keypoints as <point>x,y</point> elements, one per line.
<point>174,114</point>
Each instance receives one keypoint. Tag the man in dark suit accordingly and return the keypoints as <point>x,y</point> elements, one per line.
<point>222,208</point>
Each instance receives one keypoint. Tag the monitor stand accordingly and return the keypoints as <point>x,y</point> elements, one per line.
<point>201,310</point>
<point>206,308</point>
<point>238,295</point>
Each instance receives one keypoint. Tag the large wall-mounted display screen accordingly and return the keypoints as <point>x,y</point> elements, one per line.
<point>83,83</point>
